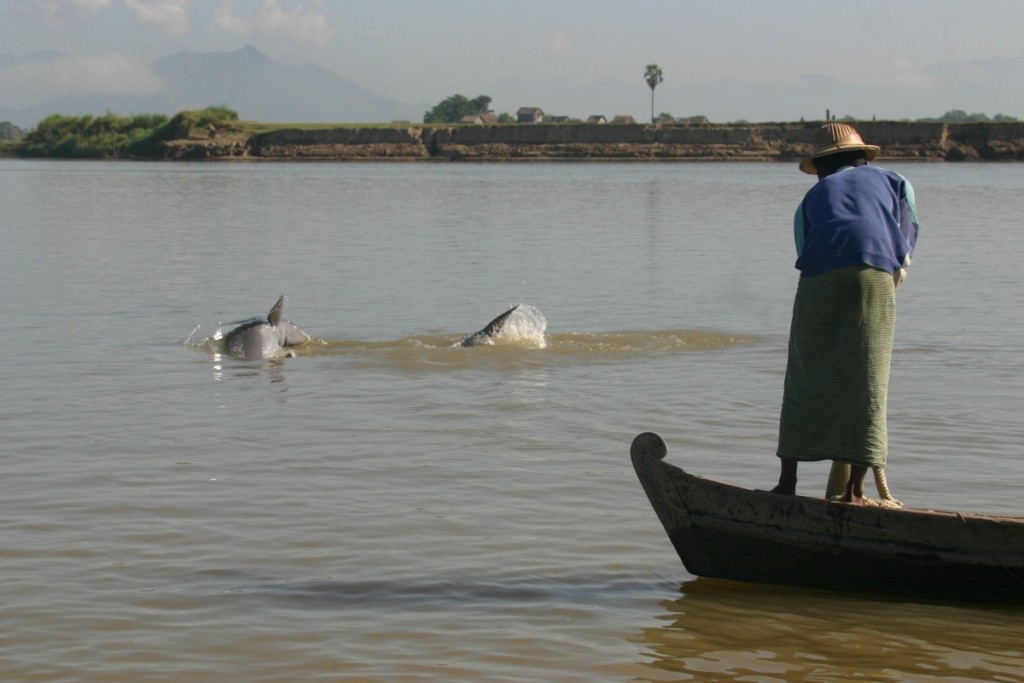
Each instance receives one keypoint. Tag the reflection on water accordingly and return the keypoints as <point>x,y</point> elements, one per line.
<point>722,630</point>
<point>226,367</point>
<point>460,592</point>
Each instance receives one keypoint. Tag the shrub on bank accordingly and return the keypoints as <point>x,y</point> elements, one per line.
<point>112,136</point>
<point>89,137</point>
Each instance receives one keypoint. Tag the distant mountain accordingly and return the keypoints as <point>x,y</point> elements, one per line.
<point>246,80</point>
<point>261,89</point>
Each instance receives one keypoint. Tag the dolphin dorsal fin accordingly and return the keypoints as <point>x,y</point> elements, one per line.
<point>494,327</point>
<point>274,317</point>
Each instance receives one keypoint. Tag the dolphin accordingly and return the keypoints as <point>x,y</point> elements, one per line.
<point>492,329</point>
<point>268,338</point>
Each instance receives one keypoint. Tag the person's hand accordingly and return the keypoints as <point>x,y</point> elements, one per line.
<point>900,274</point>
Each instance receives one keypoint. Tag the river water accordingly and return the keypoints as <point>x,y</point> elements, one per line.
<point>386,507</point>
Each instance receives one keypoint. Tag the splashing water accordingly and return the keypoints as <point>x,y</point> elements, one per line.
<point>526,327</point>
<point>210,336</point>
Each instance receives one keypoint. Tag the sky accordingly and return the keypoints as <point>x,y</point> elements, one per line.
<point>426,50</point>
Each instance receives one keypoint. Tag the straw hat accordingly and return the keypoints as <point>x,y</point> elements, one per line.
<point>833,138</point>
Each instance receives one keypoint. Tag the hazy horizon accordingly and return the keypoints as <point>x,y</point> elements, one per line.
<point>725,59</point>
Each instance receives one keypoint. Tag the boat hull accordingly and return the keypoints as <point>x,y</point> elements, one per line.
<point>725,531</point>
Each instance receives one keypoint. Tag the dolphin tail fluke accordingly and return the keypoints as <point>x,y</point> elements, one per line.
<point>274,317</point>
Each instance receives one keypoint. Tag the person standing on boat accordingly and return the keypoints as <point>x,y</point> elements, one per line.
<point>855,231</point>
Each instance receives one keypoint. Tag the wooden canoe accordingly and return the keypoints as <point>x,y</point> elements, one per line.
<point>728,532</point>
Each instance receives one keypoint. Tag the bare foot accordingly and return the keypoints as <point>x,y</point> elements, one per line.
<point>850,498</point>
<point>855,486</point>
<point>787,477</point>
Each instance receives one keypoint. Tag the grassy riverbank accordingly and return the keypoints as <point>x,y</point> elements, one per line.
<point>217,133</point>
<point>112,136</point>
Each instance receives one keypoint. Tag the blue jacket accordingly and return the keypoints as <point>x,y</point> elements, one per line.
<point>858,215</point>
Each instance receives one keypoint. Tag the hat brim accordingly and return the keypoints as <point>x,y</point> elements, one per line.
<point>807,165</point>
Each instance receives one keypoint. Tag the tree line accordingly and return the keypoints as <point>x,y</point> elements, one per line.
<point>454,108</point>
<point>110,135</point>
<point>961,116</point>
<point>142,136</point>
<point>10,132</point>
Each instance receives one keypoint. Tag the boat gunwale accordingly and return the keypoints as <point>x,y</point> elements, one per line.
<point>715,535</point>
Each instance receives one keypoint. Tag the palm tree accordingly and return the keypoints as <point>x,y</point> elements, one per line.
<point>653,77</point>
